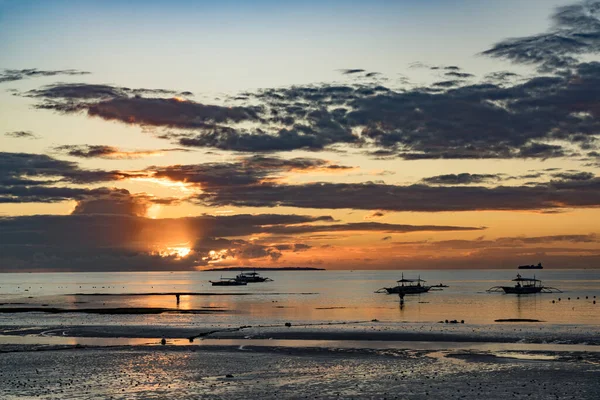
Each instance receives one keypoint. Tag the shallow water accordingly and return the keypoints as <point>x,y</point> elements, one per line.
<point>507,350</point>
<point>309,297</point>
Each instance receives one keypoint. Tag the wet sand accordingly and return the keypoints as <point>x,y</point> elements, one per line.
<point>343,330</point>
<point>360,359</point>
<point>167,372</point>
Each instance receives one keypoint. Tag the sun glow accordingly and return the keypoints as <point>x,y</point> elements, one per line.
<point>153,211</point>
<point>181,186</point>
<point>177,252</point>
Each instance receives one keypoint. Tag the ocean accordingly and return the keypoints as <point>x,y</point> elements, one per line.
<point>297,296</point>
<point>306,334</point>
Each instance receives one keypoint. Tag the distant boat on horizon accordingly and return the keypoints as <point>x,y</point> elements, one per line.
<point>539,266</point>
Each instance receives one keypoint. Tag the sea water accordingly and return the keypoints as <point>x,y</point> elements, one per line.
<point>300,297</point>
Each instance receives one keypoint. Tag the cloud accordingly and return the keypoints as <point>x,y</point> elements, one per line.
<point>118,202</point>
<point>366,227</point>
<point>575,32</point>
<point>501,77</point>
<point>504,242</point>
<point>447,84</point>
<point>22,135</point>
<point>100,241</point>
<point>90,91</point>
<point>111,152</point>
<point>26,177</point>
<point>28,165</point>
<point>418,198</point>
<point>461,179</point>
<point>97,239</point>
<point>574,176</point>
<point>11,75</point>
<point>359,73</point>
<point>245,171</point>
<point>352,71</point>
<point>557,251</point>
<point>128,106</point>
<point>459,75</point>
<point>374,215</point>
<point>541,117</point>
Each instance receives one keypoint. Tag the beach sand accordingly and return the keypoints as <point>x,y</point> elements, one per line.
<point>265,372</point>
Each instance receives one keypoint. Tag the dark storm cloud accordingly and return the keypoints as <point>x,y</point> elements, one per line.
<point>461,179</point>
<point>11,75</point>
<point>22,135</point>
<point>110,152</point>
<point>422,198</point>
<point>575,32</point>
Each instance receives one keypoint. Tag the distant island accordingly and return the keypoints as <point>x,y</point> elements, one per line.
<point>266,269</point>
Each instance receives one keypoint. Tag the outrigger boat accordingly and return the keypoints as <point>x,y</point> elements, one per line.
<point>525,286</point>
<point>252,277</point>
<point>228,282</point>
<point>406,286</point>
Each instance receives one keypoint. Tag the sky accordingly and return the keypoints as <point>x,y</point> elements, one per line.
<point>187,135</point>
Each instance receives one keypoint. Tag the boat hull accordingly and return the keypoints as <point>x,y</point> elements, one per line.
<point>408,289</point>
<point>229,283</point>
<point>252,280</point>
<point>521,290</point>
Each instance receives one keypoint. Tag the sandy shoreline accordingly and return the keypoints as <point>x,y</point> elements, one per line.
<point>166,372</point>
<point>347,359</point>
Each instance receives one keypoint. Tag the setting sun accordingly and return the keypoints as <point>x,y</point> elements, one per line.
<point>177,252</point>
